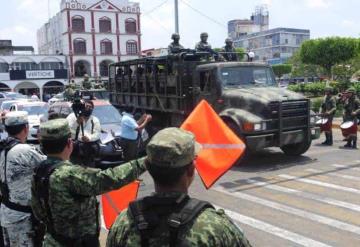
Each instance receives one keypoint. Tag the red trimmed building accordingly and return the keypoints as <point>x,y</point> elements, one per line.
<point>92,34</point>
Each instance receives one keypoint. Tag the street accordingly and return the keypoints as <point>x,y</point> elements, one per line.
<point>312,200</point>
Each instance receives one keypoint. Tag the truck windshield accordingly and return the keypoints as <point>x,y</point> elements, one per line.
<point>247,76</point>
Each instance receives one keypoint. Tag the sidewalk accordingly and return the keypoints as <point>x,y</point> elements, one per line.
<point>337,122</point>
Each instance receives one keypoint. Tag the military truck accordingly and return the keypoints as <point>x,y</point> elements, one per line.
<point>244,94</point>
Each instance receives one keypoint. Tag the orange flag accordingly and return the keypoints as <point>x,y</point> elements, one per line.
<point>116,201</point>
<point>221,147</point>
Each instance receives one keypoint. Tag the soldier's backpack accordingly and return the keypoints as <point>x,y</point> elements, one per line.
<point>6,145</point>
<point>154,215</point>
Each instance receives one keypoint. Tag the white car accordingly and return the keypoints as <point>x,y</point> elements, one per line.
<point>56,98</point>
<point>35,111</point>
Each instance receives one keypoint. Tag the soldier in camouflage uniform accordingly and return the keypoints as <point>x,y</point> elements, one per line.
<point>69,93</point>
<point>170,217</point>
<point>351,110</point>
<point>175,46</point>
<point>203,45</point>
<point>328,109</point>
<point>86,83</point>
<point>229,51</point>
<point>16,166</point>
<point>64,194</point>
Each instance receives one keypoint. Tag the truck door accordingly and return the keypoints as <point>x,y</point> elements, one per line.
<point>206,86</point>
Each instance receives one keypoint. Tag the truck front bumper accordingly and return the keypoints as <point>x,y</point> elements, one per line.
<point>261,141</point>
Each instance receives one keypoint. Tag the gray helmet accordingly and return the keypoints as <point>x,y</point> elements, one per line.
<point>175,35</point>
<point>204,34</point>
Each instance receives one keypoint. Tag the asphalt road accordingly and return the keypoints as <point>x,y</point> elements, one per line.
<point>311,200</point>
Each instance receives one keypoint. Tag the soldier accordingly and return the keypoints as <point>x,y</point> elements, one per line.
<point>203,45</point>
<point>175,47</point>
<point>64,194</point>
<point>229,51</point>
<point>351,110</point>
<point>69,93</point>
<point>170,217</point>
<point>328,109</point>
<point>16,166</point>
<point>86,83</point>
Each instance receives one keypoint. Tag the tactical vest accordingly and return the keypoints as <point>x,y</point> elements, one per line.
<point>154,215</point>
<point>5,146</point>
<point>41,182</point>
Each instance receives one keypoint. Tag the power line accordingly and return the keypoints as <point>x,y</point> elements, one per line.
<point>155,8</point>
<point>204,15</point>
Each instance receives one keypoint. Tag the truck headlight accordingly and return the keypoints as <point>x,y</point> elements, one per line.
<point>259,126</point>
<point>313,119</point>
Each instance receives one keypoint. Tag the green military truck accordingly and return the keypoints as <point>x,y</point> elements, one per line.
<point>244,94</point>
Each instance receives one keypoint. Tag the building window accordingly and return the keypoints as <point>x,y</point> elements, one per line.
<point>104,68</point>
<point>286,41</point>
<point>79,46</point>
<point>24,66</point>
<point>105,25</point>
<point>130,26</point>
<point>4,68</point>
<point>78,24</point>
<point>106,47</point>
<point>81,68</point>
<point>51,65</point>
<point>131,47</point>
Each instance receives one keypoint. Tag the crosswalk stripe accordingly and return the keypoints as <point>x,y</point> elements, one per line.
<point>335,174</point>
<point>319,183</point>
<point>294,211</point>
<point>274,230</point>
<point>347,167</point>
<point>306,195</point>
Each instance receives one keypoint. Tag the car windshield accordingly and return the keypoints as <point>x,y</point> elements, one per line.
<point>6,105</point>
<point>15,96</point>
<point>107,114</point>
<point>35,109</point>
<point>247,76</point>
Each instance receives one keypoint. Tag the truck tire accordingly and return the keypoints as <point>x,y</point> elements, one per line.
<point>297,148</point>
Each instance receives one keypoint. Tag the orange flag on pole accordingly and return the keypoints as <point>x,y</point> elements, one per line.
<point>221,147</point>
<point>116,201</point>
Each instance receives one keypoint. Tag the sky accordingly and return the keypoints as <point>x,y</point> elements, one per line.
<point>20,19</point>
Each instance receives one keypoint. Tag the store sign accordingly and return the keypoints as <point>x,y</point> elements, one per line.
<point>40,74</point>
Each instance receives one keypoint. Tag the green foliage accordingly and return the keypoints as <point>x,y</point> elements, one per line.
<point>240,52</point>
<point>300,69</point>
<point>281,69</point>
<point>316,103</point>
<point>329,51</point>
<point>217,49</point>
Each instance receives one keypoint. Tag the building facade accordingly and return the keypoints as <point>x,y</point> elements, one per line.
<point>92,34</point>
<point>7,48</point>
<point>28,74</point>
<point>274,46</point>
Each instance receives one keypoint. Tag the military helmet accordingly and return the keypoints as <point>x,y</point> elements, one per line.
<point>204,35</point>
<point>15,118</point>
<point>228,40</point>
<point>351,90</point>
<point>328,89</point>
<point>86,76</point>
<point>54,129</point>
<point>175,35</point>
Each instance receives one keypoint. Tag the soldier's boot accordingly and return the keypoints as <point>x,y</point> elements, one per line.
<point>326,142</point>
<point>348,144</point>
<point>354,145</point>
<point>330,139</point>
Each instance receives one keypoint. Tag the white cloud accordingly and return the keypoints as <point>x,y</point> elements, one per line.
<point>316,4</point>
<point>267,2</point>
<point>348,23</point>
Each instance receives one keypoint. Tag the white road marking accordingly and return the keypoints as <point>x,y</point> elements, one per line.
<point>322,151</point>
<point>323,184</point>
<point>306,195</point>
<point>347,167</point>
<point>333,173</point>
<point>277,231</point>
<point>294,211</point>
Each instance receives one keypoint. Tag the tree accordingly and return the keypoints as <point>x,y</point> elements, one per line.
<point>281,69</point>
<point>329,51</point>
<point>300,69</point>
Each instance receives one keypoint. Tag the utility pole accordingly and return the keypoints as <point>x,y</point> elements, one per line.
<point>176,16</point>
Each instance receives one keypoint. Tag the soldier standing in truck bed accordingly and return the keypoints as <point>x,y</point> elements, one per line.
<point>175,46</point>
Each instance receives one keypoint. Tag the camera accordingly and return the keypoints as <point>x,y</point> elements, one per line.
<point>78,106</point>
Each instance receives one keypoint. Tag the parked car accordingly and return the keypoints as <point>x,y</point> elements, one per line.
<point>56,98</point>
<point>35,111</point>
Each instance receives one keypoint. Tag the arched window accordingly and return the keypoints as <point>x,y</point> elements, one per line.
<point>4,67</point>
<point>81,68</point>
<point>105,25</point>
<point>104,68</point>
<point>130,25</point>
<point>79,46</point>
<point>106,47</point>
<point>78,24</point>
<point>131,47</point>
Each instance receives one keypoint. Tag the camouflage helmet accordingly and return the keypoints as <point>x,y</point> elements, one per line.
<point>204,34</point>
<point>328,89</point>
<point>172,148</point>
<point>351,90</point>
<point>55,129</point>
<point>14,118</point>
<point>86,76</point>
<point>175,35</point>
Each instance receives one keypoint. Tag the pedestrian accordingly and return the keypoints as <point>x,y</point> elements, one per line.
<point>64,194</point>
<point>17,163</point>
<point>170,217</point>
<point>130,132</point>
<point>35,97</point>
<point>328,109</point>
<point>351,111</point>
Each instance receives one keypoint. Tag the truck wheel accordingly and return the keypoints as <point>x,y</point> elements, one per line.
<point>296,149</point>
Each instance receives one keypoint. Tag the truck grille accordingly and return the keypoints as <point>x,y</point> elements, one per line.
<point>294,114</point>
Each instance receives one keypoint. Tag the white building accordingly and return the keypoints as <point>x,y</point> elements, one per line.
<point>30,74</point>
<point>92,34</point>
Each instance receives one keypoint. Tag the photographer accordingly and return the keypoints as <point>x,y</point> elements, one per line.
<point>85,131</point>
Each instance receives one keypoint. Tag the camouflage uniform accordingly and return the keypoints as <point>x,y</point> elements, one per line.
<point>20,162</point>
<point>72,191</point>
<point>86,83</point>
<point>328,109</point>
<point>69,93</point>
<point>230,52</point>
<point>351,110</point>
<point>175,148</point>
<point>203,45</point>
<point>175,46</point>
